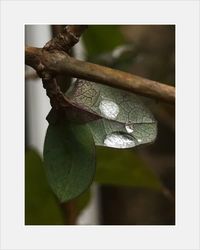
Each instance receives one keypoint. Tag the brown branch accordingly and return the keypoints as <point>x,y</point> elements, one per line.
<point>57,98</point>
<point>56,29</point>
<point>62,81</point>
<point>65,40</point>
<point>58,62</point>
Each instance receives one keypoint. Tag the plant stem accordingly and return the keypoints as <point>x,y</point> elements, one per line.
<point>70,212</point>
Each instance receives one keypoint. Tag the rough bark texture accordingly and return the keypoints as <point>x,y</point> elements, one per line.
<point>66,39</point>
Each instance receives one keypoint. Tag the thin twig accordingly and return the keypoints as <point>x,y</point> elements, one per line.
<point>58,62</point>
<point>65,40</point>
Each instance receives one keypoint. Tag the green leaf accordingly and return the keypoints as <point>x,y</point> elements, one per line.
<point>124,168</point>
<point>69,157</point>
<point>41,206</point>
<point>96,38</point>
<point>126,122</point>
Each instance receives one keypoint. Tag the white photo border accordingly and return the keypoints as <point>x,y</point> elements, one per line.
<point>185,234</point>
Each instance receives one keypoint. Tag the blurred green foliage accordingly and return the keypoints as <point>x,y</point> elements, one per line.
<point>41,206</point>
<point>102,38</point>
<point>124,168</point>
